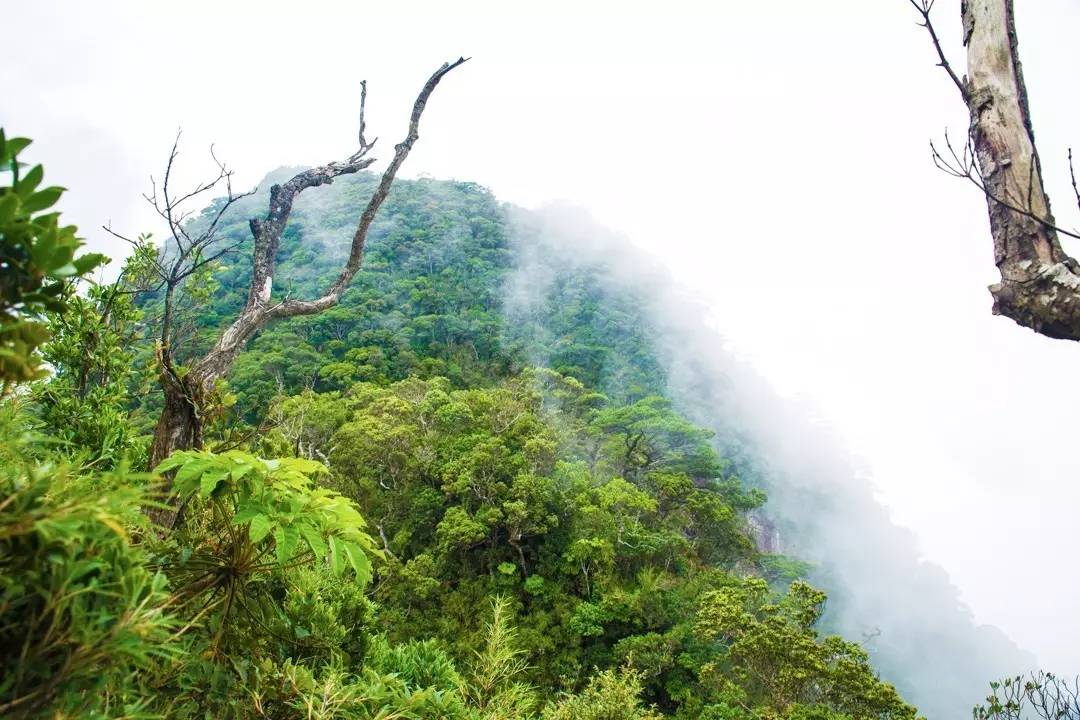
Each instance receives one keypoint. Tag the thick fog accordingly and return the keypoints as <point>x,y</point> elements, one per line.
<point>821,508</point>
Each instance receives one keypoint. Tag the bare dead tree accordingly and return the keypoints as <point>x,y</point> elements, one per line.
<point>187,250</point>
<point>1040,283</point>
<point>187,389</point>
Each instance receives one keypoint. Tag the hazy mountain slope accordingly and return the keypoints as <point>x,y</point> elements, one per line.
<point>905,611</point>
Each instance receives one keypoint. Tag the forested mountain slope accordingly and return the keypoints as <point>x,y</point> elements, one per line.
<point>458,286</point>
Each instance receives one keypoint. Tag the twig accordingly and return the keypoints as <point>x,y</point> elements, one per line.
<point>965,169</point>
<point>923,7</point>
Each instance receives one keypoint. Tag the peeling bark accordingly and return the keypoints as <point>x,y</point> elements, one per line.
<point>1040,283</point>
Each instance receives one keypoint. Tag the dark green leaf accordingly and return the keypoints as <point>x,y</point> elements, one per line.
<point>42,199</point>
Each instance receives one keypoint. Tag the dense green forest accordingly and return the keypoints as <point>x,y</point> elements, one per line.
<point>430,501</point>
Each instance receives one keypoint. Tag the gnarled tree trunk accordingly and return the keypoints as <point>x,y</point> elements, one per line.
<point>179,425</point>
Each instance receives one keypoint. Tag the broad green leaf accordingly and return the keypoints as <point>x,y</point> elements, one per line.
<point>171,463</point>
<point>359,561</point>
<point>337,556</point>
<point>303,465</point>
<point>285,541</point>
<point>62,255</point>
<point>314,540</point>
<point>89,261</point>
<point>240,470</point>
<point>258,528</point>
<point>42,199</point>
<point>245,514</point>
<point>14,146</point>
<point>209,481</point>
<point>29,182</point>
<point>9,202</point>
<point>189,473</point>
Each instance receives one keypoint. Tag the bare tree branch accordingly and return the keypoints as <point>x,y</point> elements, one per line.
<point>180,425</point>
<point>268,231</point>
<point>1072,177</point>
<point>965,168</point>
<point>924,7</point>
<point>158,267</point>
<point>356,253</point>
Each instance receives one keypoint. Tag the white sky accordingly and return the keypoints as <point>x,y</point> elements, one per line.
<point>775,154</point>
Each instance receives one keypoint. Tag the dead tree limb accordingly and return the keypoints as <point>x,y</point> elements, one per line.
<point>180,424</point>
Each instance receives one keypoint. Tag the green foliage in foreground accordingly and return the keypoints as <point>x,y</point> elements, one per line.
<point>232,618</point>
<point>82,608</point>
<point>505,583</point>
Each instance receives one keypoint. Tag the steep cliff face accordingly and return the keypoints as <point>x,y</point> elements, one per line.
<point>765,533</point>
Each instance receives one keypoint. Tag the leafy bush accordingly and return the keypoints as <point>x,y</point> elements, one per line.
<point>773,658</point>
<point>610,695</point>
<point>250,518</point>
<point>37,258</point>
<point>84,621</point>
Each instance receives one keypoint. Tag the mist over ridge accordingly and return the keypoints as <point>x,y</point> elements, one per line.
<point>903,609</point>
